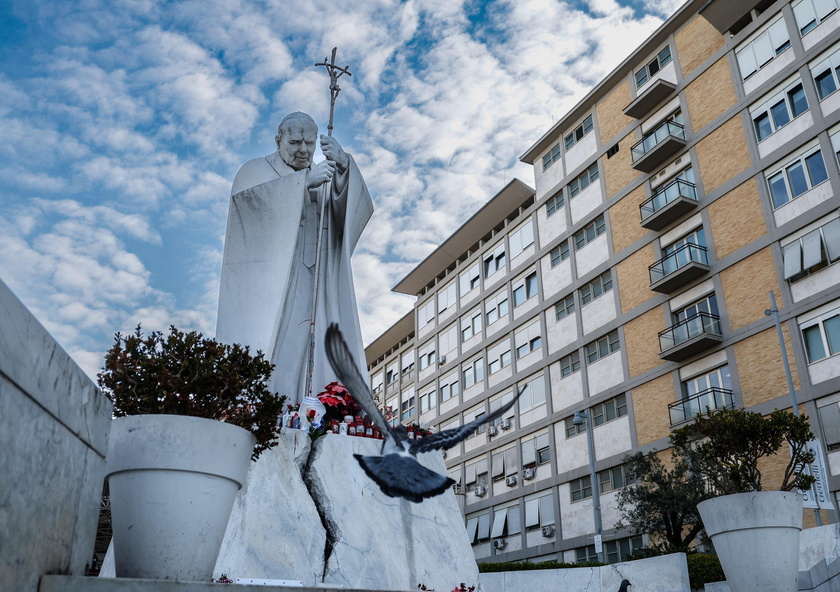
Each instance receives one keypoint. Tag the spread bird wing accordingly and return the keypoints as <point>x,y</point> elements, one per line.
<point>448,438</point>
<point>400,475</point>
<point>348,373</point>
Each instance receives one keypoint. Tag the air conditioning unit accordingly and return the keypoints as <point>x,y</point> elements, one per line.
<point>441,360</point>
<point>505,425</point>
<point>511,480</point>
<point>548,531</point>
<point>499,544</point>
<point>492,430</point>
<point>480,491</point>
<point>529,473</point>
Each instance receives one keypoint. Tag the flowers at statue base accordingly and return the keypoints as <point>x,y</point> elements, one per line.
<point>338,402</point>
<point>223,579</point>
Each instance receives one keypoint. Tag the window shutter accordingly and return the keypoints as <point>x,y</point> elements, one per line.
<point>471,472</point>
<point>811,249</point>
<point>746,61</point>
<point>830,420</point>
<point>499,523</point>
<point>831,232</point>
<point>532,513</point>
<point>824,7</point>
<point>472,526</point>
<point>511,466</point>
<point>546,510</point>
<point>498,465</point>
<point>793,259</point>
<point>529,453</point>
<point>804,13</point>
<point>484,527</point>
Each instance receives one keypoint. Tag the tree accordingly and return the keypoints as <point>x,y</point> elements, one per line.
<point>725,446</point>
<point>662,500</point>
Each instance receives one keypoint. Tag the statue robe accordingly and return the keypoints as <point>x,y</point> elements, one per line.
<point>265,298</point>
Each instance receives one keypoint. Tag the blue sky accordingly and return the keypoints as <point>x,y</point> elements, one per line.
<point>124,121</point>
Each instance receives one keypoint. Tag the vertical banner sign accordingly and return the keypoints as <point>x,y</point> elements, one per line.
<point>599,547</point>
<point>817,497</point>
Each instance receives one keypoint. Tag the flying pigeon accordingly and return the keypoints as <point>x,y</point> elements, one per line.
<point>396,469</point>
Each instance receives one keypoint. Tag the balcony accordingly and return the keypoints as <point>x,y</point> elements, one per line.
<point>711,399</point>
<point>656,147</point>
<point>690,336</point>
<point>669,203</point>
<point>688,262</point>
<point>724,14</point>
<point>658,91</point>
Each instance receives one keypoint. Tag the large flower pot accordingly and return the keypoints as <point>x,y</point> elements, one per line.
<point>756,538</point>
<point>173,480</point>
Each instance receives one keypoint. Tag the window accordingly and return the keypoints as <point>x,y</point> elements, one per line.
<point>426,354</point>
<point>573,429</point>
<point>810,13</point>
<point>765,45</point>
<point>615,478</point>
<point>539,511</point>
<point>620,550</point>
<point>448,342</point>
<point>797,177</point>
<point>446,298</point>
<point>554,203</point>
<point>407,362</point>
<point>533,395</point>
<point>495,260</point>
<point>822,336</point>
<point>535,451</point>
<point>506,522</point>
<point>426,313</point>
<point>551,156</point>
<point>475,473</point>
<point>577,134</point>
<point>610,410</point>
<point>496,307</point>
<point>583,180</point>
<point>391,373</point>
<point>586,554</point>
<point>471,325</point>
<point>559,253</point>
<point>691,247</point>
<point>827,75</point>
<point>829,416</point>
<point>580,489</point>
<point>646,73</point>
<point>470,279</point>
<point>570,364</point>
<point>497,402</point>
<point>527,339</point>
<point>525,289</point>
<point>448,387</point>
<point>406,407</point>
<point>718,378</point>
<point>473,372</point>
<point>813,251</point>
<point>588,233</point>
<point>597,287</point>
<point>498,356</point>
<point>428,401</point>
<point>778,111</point>
<point>602,347</point>
<point>565,307</point>
<point>521,239</point>
<point>707,305</point>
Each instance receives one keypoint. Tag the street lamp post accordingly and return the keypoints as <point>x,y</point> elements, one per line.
<point>582,418</point>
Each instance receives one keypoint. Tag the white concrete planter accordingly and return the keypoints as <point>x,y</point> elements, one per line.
<point>756,537</point>
<point>173,480</point>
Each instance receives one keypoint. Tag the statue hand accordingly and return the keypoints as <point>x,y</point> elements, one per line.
<point>320,174</point>
<point>333,151</point>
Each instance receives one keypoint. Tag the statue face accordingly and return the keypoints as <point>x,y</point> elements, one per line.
<point>297,144</point>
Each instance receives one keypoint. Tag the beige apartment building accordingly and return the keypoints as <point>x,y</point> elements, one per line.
<point>632,283</point>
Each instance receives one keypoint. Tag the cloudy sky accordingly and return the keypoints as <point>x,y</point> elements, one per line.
<point>124,121</point>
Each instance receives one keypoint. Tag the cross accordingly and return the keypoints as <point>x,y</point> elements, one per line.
<point>335,73</point>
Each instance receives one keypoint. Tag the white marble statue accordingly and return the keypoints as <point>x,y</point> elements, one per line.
<point>268,268</point>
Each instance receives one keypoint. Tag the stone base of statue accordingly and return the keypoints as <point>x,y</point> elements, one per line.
<point>309,513</point>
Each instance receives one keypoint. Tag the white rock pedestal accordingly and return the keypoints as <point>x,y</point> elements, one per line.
<point>375,542</point>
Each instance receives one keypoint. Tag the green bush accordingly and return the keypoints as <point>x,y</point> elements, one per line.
<point>703,568</point>
<point>526,565</point>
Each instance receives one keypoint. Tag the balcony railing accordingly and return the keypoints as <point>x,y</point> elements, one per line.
<point>668,203</point>
<point>690,336</point>
<point>684,264</point>
<point>654,148</point>
<point>710,399</point>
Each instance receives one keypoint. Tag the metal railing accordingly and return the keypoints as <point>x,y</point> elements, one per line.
<point>695,325</point>
<point>687,253</point>
<point>710,399</point>
<point>659,134</point>
<point>665,195</point>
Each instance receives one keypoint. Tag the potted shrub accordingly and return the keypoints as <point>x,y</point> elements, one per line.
<point>190,412</point>
<point>755,532</point>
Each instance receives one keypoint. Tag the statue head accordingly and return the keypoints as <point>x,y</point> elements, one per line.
<point>296,137</point>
